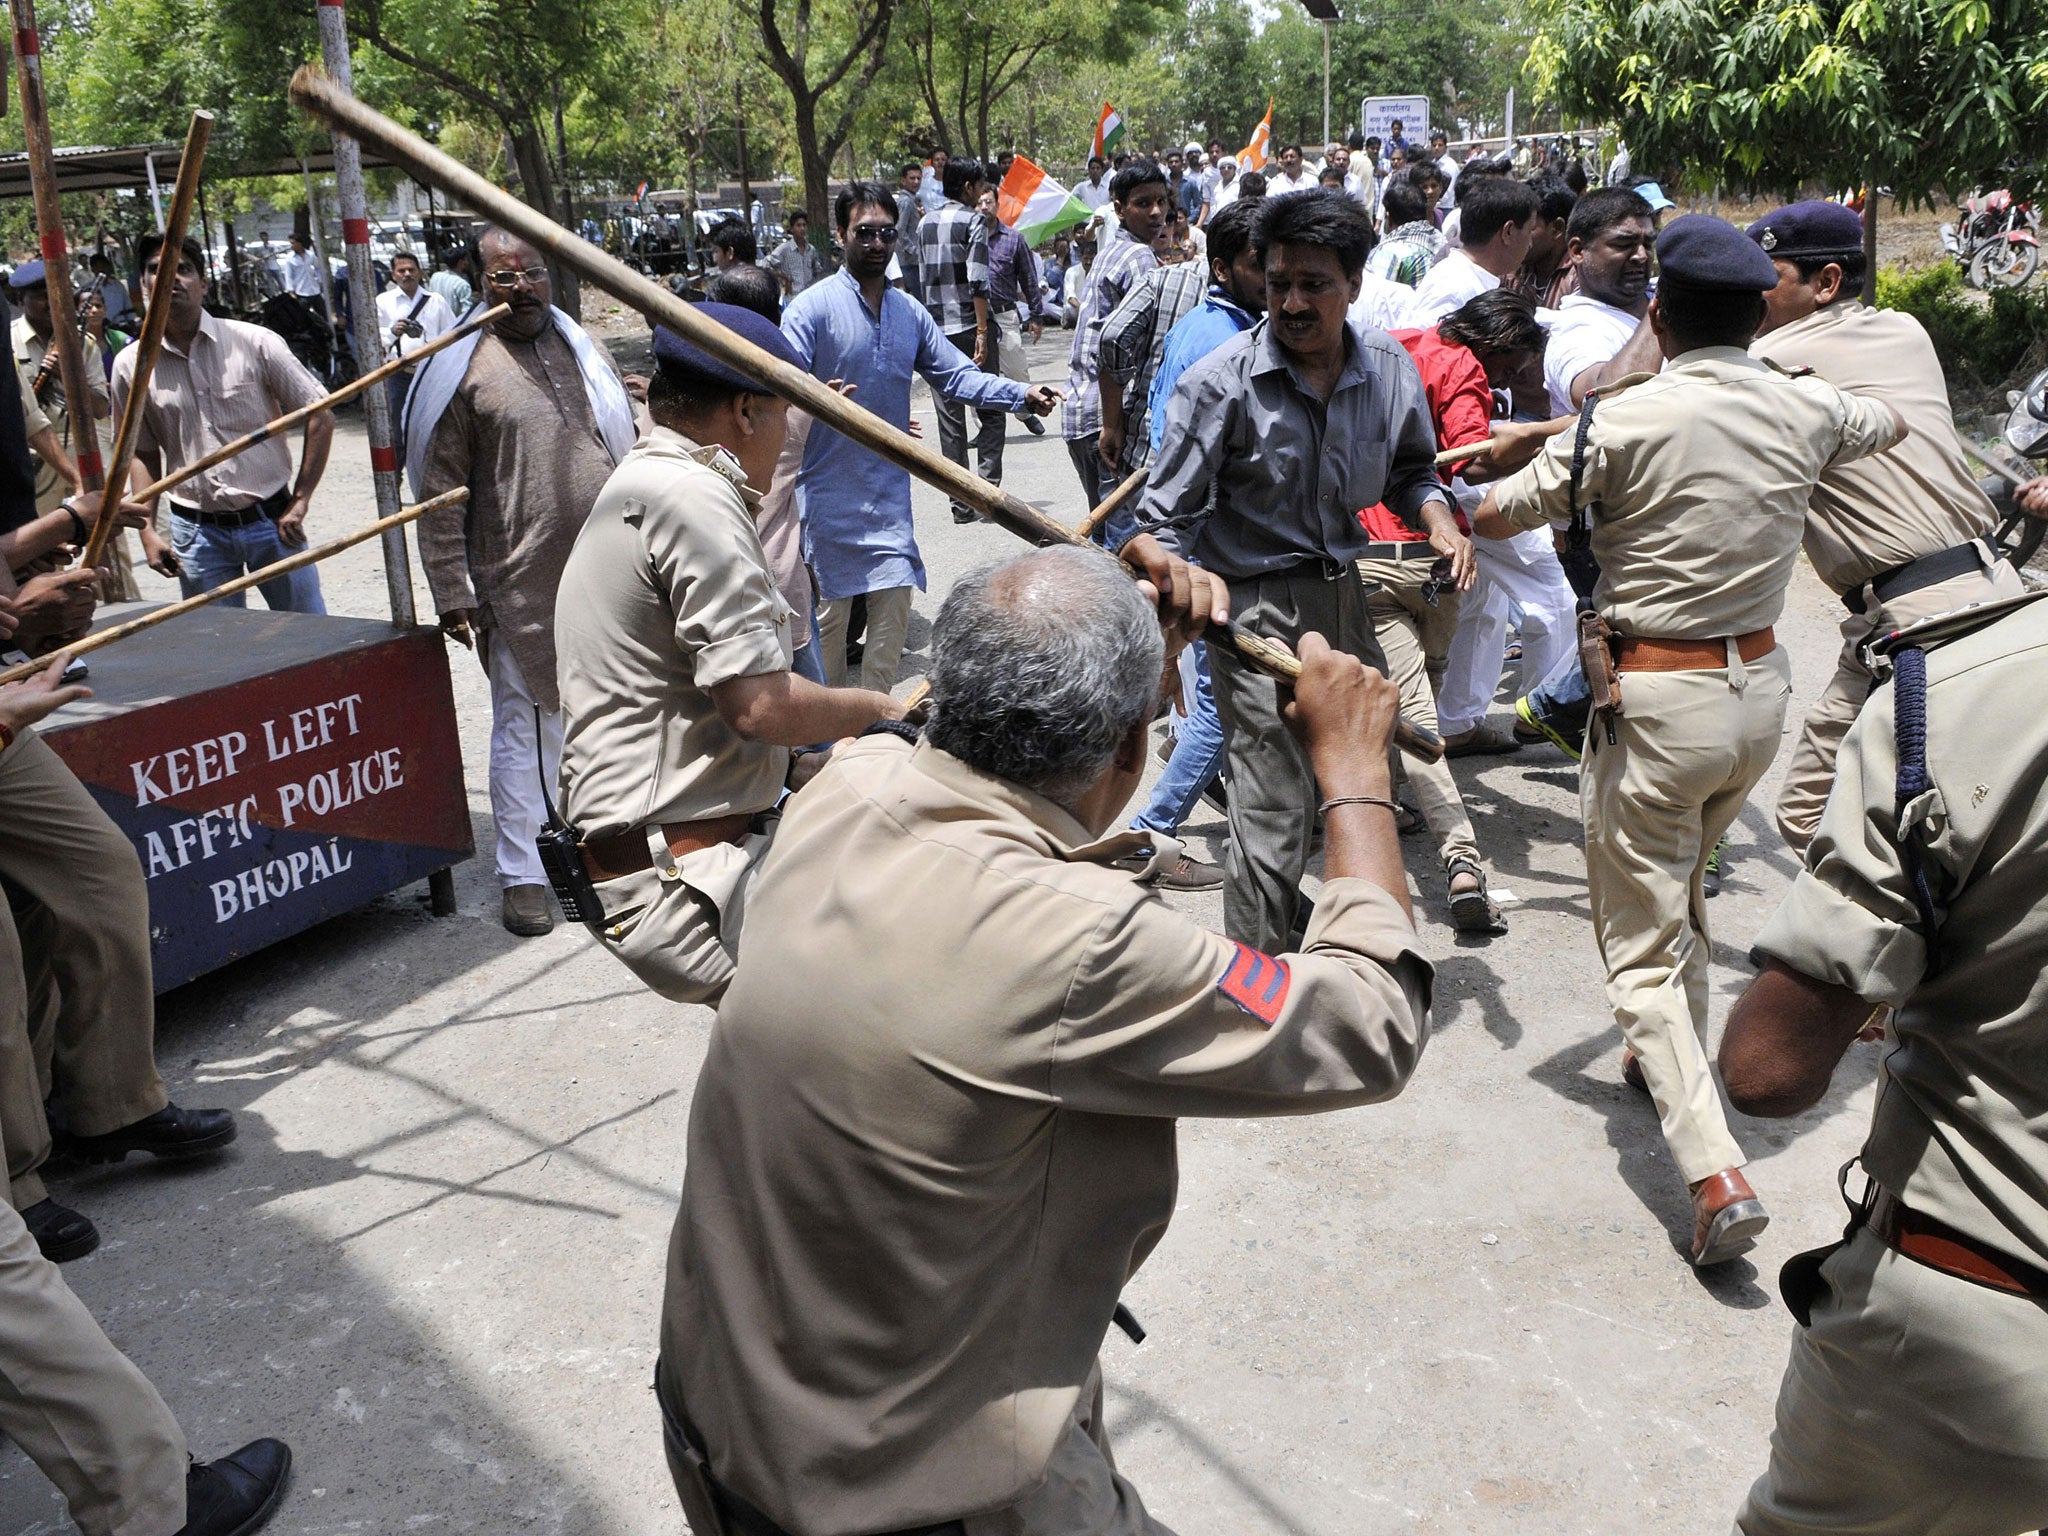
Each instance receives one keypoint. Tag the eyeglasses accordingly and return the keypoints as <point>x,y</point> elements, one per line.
<point>534,277</point>
<point>875,234</point>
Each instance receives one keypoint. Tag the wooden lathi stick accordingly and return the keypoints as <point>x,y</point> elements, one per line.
<point>276,568</point>
<point>313,91</point>
<point>149,345</point>
<point>1116,498</point>
<point>291,419</point>
<point>1470,451</point>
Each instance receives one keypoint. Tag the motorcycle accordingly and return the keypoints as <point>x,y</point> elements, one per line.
<point>2026,434</point>
<point>1997,239</point>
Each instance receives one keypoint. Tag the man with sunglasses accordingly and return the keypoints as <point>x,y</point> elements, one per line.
<point>532,417</point>
<point>858,536</point>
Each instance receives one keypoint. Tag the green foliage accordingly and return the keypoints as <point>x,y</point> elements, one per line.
<point>1914,95</point>
<point>1983,340</point>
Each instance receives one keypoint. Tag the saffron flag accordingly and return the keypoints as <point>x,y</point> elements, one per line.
<point>1109,131</point>
<point>1035,205</point>
<point>1253,156</point>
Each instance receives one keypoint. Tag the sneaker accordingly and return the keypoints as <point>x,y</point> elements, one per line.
<point>1186,873</point>
<point>1710,878</point>
<point>1530,729</point>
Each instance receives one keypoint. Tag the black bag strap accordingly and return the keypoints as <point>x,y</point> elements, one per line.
<point>1909,737</point>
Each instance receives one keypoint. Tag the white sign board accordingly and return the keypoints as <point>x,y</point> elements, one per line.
<point>1376,115</point>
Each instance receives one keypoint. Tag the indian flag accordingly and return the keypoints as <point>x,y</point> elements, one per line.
<point>1035,205</point>
<point>1109,131</point>
<point>1253,156</point>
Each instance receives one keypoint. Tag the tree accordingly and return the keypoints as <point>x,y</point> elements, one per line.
<point>1921,96</point>
<point>971,54</point>
<point>506,60</point>
<point>826,63</point>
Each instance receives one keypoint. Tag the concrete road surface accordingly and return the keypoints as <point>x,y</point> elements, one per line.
<point>434,1259</point>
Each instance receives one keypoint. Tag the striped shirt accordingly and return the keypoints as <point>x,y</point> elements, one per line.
<point>1134,340</point>
<point>952,261</point>
<point>1120,264</point>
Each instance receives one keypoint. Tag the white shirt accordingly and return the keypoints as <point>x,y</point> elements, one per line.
<point>1587,334</point>
<point>302,274</point>
<point>1448,284</point>
<point>1450,168</point>
<point>434,318</point>
<point>1093,194</point>
<point>1280,183</point>
<point>1223,194</point>
<point>1384,305</point>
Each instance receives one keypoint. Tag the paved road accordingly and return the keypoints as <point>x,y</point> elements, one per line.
<point>434,1259</point>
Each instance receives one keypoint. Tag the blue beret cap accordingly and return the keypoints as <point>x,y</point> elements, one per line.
<point>690,364</point>
<point>28,275</point>
<point>1810,229</point>
<point>1701,251</point>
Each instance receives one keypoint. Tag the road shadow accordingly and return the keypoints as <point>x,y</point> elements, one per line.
<point>1130,1411</point>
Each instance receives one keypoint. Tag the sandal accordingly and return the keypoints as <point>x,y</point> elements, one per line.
<point>1472,911</point>
<point>1483,740</point>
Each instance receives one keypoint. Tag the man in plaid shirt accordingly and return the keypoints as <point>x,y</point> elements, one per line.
<point>952,259</point>
<point>1141,200</point>
<point>1133,341</point>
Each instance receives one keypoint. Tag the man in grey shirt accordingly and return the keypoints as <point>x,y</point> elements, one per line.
<point>1273,446</point>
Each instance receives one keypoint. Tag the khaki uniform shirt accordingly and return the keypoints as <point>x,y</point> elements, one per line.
<point>1698,479</point>
<point>521,435</point>
<point>934,1133</point>
<point>1918,499</point>
<point>236,378</point>
<point>1960,1131</point>
<point>665,595</point>
<point>51,410</point>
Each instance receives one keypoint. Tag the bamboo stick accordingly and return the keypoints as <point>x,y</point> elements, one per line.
<point>42,168</point>
<point>315,93</point>
<point>1470,451</point>
<point>1116,498</point>
<point>149,346</point>
<point>291,419</point>
<point>243,583</point>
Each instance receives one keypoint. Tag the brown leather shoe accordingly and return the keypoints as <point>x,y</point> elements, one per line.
<point>1632,1071</point>
<point>1726,1218</point>
<point>525,911</point>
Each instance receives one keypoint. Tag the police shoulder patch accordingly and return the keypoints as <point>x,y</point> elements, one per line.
<point>1256,982</point>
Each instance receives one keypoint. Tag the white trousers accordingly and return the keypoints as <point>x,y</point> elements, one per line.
<point>516,767</point>
<point>1522,572</point>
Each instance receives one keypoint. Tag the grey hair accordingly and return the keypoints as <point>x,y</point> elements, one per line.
<point>1041,665</point>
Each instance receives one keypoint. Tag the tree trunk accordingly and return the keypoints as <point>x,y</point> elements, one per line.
<point>739,129</point>
<point>817,166</point>
<point>537,191</point>
<point>1870,245</point>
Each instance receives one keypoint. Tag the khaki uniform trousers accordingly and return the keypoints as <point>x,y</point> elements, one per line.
<point>1811,773</point>
<point>1688,748</point>
<point>1911,1407</point>
<point>78,1407</point>
<point>881,651</point>
<point>1416,638</point>
<point>1273,794</point>
<point>678,927</point>
<point>77,1008</point>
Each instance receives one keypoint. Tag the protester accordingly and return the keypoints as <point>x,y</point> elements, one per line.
<point>408,314</point>
<point>531,416</point>
<point>1411,244</point>
<point>795,263</point>
<point>1227,187</point>
<point>1016,312</point>
<point>1496,216</point>
<point>840,1341</point>
<point>113,293</point>
<point>1291,175</point>
<point>1602,333</point>
<point>1140,200</point>
<point>1094,188</point>
<point>732,242</point>
<point>909,213</point>
<point>931,194</point>
<point>214,380</point>
<point>859,537</point>
<point>451,279</point>
<point>1265,440</point>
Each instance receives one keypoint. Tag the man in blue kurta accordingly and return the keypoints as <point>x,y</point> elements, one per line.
<point>858,535</point>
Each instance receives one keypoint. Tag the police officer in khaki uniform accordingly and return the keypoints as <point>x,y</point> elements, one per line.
<point>1912,1404</point>
<point>1697,482</point>
<point>933,1136</point>
<point>673,645</point>
<point>1898,536</point>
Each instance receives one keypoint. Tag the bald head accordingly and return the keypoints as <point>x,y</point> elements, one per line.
<point>1041,667</point>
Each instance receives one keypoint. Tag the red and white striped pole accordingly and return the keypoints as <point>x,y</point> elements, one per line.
<point>362,307</point>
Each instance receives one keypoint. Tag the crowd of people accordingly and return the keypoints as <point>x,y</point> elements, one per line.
<point>1384,410</point>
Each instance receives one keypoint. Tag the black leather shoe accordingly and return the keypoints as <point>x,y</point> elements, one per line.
<point>170,1132</point>
<point>60,1232</point>
<point>237,1494</point>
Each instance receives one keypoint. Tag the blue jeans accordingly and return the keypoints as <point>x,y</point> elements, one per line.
<point>809,662</point>
<point>210,556</point>
<point>1197,759</point>
<point>1564,701</point>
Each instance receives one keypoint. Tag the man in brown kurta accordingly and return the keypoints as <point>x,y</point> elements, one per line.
<point>533,429</point>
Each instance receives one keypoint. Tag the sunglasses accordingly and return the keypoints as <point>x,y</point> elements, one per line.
<point>534,277</point>
<point>875,234</point>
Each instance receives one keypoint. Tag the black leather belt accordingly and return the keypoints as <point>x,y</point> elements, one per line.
<point>271,506</point>
<point>1958,560</point>
<point>1399,549</point>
